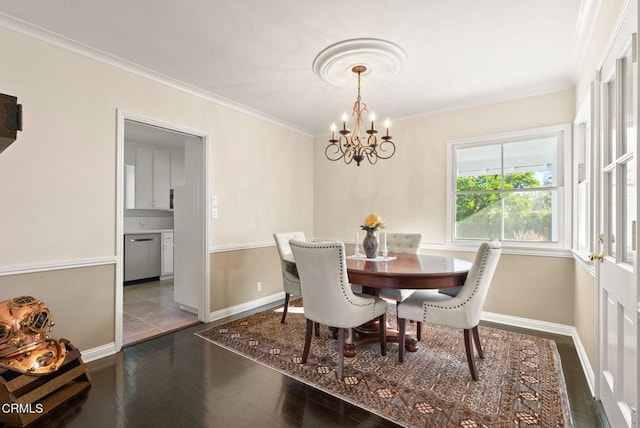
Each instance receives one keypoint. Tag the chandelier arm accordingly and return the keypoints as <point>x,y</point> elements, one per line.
<point>382,148</point>
<point>337,153</point>
<point>348,157</point>
<point>370,150</point>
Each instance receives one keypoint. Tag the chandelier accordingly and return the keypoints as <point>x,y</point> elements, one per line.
<point>353,144</point>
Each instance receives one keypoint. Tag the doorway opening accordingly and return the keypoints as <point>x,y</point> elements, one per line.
<point>163,269</point>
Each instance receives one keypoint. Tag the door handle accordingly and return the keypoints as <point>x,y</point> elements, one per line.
<point>593,257</point>
<point>142,239</point>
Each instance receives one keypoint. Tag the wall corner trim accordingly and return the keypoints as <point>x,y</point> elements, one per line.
<point>242,307</point>
<point>98,352</point>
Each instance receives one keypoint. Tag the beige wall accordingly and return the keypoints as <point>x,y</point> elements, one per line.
<point>81,300</point>
<point>58,179</point>
<point>586,311</point>
<point>409,191</point>
<point>234,275</point>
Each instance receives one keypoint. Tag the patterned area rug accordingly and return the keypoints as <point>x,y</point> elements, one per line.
<point>520,380</point>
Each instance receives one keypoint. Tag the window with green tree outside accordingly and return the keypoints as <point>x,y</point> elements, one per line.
<point>509,189</point>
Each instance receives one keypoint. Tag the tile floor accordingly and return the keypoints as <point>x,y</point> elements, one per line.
<point>149,311</point>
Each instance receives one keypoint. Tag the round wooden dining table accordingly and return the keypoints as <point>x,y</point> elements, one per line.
<point>413,271</point>
<point>404,271</point>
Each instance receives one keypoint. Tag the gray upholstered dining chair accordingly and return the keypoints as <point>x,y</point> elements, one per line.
<point>327,295</point>
<point>405,243</point>
<point>290,279</point>
<point>462,311</point>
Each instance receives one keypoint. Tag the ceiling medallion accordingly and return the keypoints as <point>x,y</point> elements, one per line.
<point>359,56</point>
<point>383,61</point>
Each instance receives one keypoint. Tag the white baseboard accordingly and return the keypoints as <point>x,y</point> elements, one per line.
<point>233,310</point>
<point>549,327</point>
<point>98,352</point>
<point>584,362</point>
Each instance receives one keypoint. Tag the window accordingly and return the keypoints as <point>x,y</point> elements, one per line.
<point>582,202</point>
<point>509,187</point>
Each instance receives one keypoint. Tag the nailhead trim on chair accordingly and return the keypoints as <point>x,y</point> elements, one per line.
<point>341,256</point>
<point>483,265</point>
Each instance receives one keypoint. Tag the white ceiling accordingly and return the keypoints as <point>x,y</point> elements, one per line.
<point>259,54</point>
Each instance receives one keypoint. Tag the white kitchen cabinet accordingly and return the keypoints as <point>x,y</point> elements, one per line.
<point>161,178</point>
<point>144,177</point>
<point>167,255</point>
<point>177,169</point>
<point>153,178</point>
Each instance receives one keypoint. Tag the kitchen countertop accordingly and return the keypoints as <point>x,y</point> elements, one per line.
<point>141,231</point>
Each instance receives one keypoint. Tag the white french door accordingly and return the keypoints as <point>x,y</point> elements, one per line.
<point>617,273</point>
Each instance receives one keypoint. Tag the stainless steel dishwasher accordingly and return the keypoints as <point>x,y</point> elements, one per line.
<point>141,256</point>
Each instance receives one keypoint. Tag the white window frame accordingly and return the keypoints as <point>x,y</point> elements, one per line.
<point>585,121</point>
<point>563,188</point>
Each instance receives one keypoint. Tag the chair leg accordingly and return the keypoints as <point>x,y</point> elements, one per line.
<point>307,341</point>
<point>286,307</point>
<point>383,334</point>
<point>340,354</point>
<point>317,328</point>
<point>476,339</point>
<point>418,330</point>
<point>469,348</point>
<point>401,328</point>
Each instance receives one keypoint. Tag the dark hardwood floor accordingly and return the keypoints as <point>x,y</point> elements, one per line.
<point>180,380</point>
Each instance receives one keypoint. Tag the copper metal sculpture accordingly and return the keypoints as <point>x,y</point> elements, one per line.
<point>25,345</point>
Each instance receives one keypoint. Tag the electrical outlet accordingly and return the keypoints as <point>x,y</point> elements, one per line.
<point>258,286</point>
<point>214,212</point>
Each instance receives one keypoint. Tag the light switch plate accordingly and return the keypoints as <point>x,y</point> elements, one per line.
<point>214,212</point>
<point>214,200</point>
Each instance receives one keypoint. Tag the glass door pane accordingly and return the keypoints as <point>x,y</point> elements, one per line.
<point>611,213</point>
<point>611,119</point>
<point>629,211</point>
<point>628,103</point>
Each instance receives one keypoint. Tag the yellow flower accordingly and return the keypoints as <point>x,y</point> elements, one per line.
<point>373,221</point>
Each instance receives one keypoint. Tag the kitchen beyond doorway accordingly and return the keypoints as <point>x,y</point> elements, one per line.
<point>149,311</point>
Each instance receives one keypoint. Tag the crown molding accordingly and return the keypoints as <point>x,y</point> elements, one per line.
<point>23,27</point>
<point>585,25</point>
<point>488,100</point>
